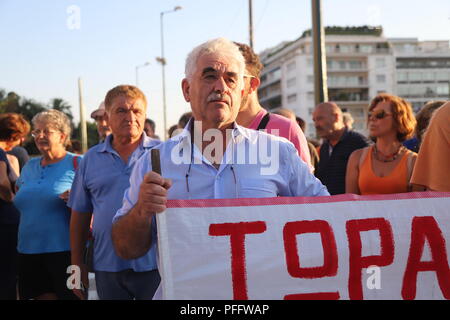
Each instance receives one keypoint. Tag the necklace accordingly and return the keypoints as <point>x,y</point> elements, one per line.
<point>387,158</point>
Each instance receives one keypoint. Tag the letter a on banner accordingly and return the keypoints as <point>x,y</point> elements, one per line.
<point>426,228</point>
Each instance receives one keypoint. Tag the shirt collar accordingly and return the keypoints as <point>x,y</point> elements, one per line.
<point>344,135</point>
<point>145,143</point>
<point>185,135</point>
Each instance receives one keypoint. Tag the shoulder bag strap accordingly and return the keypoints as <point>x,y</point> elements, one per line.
<point>263,124</point>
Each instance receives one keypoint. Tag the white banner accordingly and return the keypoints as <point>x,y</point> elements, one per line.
<point>340,247</point>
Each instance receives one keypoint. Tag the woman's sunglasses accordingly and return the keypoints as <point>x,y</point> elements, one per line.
<point>378,115</point>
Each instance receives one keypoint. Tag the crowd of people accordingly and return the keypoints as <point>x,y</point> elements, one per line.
<point>97,210</point>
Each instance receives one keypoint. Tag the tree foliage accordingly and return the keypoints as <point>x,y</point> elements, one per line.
<point>12,102</point>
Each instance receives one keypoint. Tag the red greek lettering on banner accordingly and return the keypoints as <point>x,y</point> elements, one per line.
<point>357,261</point>
<point>330,256</point>
<point>426,228</point>
<point>237,232</point>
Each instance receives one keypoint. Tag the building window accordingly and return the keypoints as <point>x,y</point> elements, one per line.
<point>403,91</point>
<point>380,63</point>
<point>366,48</point>
<point>275,88</point>
<point>402,76</point>
<point>263,78</point>
<point>442,90</point>
<point>274,74</point>
<point>346,48</point>
<point>415,76</point>
<point>291,82</point>
<point>310,79</point>
<point>381,78</point>
<point>291,66</point>
<point>354,65</point>
<point>292,98</point>
<point>428,76</point>
<point>442,76</point>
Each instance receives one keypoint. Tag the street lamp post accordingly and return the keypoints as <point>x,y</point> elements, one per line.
<point>162,60</point>
<point>137,71</point>
<point>320,59</point>
<point>250,24</point>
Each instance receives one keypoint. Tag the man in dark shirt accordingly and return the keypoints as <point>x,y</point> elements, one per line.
<point>339,143</point>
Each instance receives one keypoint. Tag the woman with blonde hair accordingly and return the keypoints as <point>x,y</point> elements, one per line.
<point>43,242</point>
<point>386,166</point>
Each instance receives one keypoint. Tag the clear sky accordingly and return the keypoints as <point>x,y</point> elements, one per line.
<point>45,48</point>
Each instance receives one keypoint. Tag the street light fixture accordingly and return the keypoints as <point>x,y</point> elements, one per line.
<point>163,62</point>
<point>137,70</point>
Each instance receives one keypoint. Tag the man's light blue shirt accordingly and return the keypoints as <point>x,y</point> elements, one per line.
<point>244,172</point>
<point>99,186</point>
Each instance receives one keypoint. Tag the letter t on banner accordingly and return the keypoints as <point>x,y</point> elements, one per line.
<point>237,232</point>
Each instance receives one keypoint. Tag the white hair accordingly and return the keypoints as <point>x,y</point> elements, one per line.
<point>56,119</point>
<point>220,46</point>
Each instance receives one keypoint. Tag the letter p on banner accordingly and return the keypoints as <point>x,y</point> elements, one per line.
<point>357,261</point>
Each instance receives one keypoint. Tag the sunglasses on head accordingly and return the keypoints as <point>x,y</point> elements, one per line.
<point>378,114</point>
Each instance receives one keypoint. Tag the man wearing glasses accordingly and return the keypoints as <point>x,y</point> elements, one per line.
<point>214,87</point>
<point>338,145</point>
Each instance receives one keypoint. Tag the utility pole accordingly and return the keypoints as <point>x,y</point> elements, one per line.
<point>83,128</point>
<point>320,59</point>
<point>250,25</point>
<point>162,60</point>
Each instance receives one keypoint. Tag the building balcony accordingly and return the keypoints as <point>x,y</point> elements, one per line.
<point>269,95</point>
<point>363,69</point>
<point>351,95</point>
<point>334,85</point>
<point>272,102</point>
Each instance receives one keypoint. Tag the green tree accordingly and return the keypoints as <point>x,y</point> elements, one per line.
<point>61,105</point>
<point>12,102</point>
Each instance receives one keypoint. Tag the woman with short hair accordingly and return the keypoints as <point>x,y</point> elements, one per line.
<point>386,166</point>
<point>43,243</point>
<point>13,128</point>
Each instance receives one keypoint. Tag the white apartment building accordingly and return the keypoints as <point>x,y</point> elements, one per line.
<point>422,70</point>
<point>360,64</point>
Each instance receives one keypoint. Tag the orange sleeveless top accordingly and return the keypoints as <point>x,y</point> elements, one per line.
<point>395,182</point>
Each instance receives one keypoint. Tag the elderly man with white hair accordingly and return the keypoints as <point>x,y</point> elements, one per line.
<point>193,167</point>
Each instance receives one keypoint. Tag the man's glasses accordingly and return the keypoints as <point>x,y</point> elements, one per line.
<point>36,133</point>
<point>378,115</point>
